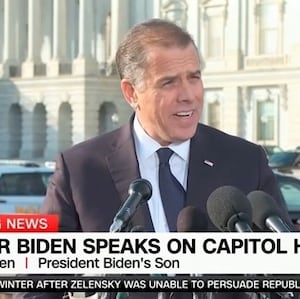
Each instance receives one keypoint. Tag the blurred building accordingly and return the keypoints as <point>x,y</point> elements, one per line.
<point>58,84</point>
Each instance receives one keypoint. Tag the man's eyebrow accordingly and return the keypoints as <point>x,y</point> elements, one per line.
<point>165,79</point>
<point>197,72</point>
<point>172,77</point>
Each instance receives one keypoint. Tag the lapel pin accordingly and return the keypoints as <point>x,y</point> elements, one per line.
<point>209,163</point>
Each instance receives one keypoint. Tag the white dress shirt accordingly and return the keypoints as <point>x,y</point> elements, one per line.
<point>146,148</point>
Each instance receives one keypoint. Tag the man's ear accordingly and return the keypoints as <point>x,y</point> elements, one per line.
<point>129,93</point>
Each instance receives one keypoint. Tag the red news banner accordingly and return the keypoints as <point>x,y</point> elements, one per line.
<point>13,223</point>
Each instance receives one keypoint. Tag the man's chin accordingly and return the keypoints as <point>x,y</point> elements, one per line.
<point>184,136</point>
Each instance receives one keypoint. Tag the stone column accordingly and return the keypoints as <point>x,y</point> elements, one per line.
<point>85,63</point>
<point>9,45</point>
<point>1,29</point>
<point>33,65</point>
<point>290,12</point>
<point>99,47</point>
<point>119,26</point>
<point>57,64</point>
<point>21,36</point>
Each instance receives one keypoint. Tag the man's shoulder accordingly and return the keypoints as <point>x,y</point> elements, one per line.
<point>220,138</point>
<point>105,143</point>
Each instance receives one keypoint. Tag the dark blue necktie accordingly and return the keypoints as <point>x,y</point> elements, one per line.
<point>171,191</point>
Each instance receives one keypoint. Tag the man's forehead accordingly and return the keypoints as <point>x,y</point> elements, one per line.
<point>170,63</point>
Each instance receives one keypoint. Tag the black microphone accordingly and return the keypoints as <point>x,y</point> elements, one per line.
<point>266,213</point>
<point>191,219</point>
<point>139,191</point>
<point>267,216</point>
<point>229,209</point>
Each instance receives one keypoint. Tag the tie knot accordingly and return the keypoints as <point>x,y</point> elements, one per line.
<point>164,154</point>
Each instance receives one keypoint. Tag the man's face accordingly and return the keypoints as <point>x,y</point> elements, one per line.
<point>170,103</point>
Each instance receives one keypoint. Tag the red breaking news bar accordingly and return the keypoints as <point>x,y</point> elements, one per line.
<point>29,223</point>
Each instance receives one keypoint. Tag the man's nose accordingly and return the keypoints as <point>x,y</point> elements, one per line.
<point>185,92</point>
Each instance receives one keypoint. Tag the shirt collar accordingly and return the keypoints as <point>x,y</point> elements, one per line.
<point>146,145</point>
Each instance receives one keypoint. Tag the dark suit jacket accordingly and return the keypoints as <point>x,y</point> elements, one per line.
<point>92,178</point>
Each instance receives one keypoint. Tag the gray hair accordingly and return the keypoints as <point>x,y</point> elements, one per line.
<point>131,56</point>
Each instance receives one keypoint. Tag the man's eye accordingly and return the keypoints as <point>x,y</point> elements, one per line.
<point>168,82</point>
<point>196,77</point>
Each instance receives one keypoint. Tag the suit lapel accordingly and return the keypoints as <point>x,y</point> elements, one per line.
<point>202,177</point>
<point>123,166</point>
<point>202,174</point>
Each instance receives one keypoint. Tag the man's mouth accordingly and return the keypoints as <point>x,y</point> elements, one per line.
<point>184,113</point>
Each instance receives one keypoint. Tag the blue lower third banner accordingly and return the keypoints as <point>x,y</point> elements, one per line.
<point>136,283</point>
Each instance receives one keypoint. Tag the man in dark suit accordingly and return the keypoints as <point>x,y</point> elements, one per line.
<point>160,72</point>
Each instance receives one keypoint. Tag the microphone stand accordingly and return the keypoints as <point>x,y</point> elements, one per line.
<point>106,295</point>
<point>125,228</point>
<point>162,295</point>
<point>201,295</point>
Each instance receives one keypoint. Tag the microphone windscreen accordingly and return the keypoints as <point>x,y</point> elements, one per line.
<point>191,219</point>
<point>142,187</point>
<point>226,206</point>
<point>263,206</point>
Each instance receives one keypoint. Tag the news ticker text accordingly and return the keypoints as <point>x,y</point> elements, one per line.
<point>150,284</point>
